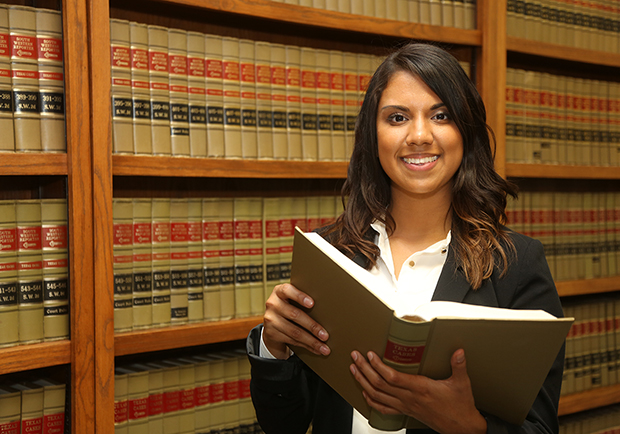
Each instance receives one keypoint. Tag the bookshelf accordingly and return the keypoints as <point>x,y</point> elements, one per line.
<point>92,172</point>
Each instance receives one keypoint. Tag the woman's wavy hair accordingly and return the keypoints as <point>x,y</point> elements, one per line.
<point>479,239</point>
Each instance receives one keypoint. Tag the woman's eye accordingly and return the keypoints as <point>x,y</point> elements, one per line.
<point>442,116</point>
<point>398,118</point>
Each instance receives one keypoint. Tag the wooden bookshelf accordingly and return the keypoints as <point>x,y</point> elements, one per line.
<point>556,171</point>
<point>590,286</point>
<point>33,163</point>
<point>26,357</point>
<point>589,400</point>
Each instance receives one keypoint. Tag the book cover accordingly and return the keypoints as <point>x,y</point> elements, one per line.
<point>51,79</point>
<point>31,407</point>
<point>7,140</point>
<point>211,258</point>
<point>122,232</point>
<point>54,393</point>
<point>122,104</point>
<point>309,115</point>
<point>179,95</point>
<point>121,408</point>
<point>137,398</point>
<point>195,271</point>
<point>279,101</point>
<point>447,13</point>
<point>352,99</point>
<point>337,82</point>
<point>196,74</point>
<point>264,113</point>
<point>215,94</point>
<point>25,79</point>
<point>293,102</point>
<point>231,98</point>
<point>179,257</point>
<point>271,243</point>
<point>140,88</point>
<point>244,226</point>
<point>161,261</point>
<point>9,319</point>
<point>504,383</point>
<point>247,80</point>
<point>159,85</point>
<point>227,257</point>
<point>10,409</point>
<point>323,104</point>
<point>142,292</point>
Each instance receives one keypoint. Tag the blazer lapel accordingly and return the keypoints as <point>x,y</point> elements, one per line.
<point>452,285</point>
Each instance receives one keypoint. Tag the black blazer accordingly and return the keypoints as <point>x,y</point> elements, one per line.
<point>287,395</point>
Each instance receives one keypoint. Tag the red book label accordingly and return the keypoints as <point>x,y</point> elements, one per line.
<point>8,240</point>
<point>214,68</point>
<point>54,237</point>
<point>32,426</point>
<point>156,404</point>
<point>158,61</point>
<point>404,354</point>
<point>187,399</point>
<point>196,67</point>
<point>177,64</point>
<point>172,401</point>
<point>4,45</point>
<point>123,235</point>
<point>29,238</point>
<point>24,47</point>
<point>54,423</point>
<point>202,395</point>
<point>120,57</point>
<point>49,49</point>
<point>142,233</point>
<point>121,411</point>
<point>9,427</point>
<point>138,408</point>
<point>139,59</point>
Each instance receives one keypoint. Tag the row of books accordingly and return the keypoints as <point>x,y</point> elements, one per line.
<point>205,259</point>
<point>32,108</point>
<point>32,405</point>
<point>580,231</point>
<point>604,420</point>
<point>593,343</point>
<point>592,25</point>
<point>556,119</point>
<point>448,13</point>
<point>34,284</point>
<point>205,393</point>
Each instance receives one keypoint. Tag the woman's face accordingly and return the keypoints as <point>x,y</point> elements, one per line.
<point>420,146</point>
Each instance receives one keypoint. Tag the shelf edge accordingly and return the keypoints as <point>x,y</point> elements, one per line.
<point>33,356</point>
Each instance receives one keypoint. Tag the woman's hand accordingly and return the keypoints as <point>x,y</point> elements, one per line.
<point>447,406</point>
<point>284,323</point>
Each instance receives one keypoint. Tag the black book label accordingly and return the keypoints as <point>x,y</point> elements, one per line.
<point>122,107</point>
<point>265,118</point>
<point>273,272</point>
<point>160,111</point>
<point>8,294</point>
<point>325,122</point>
<point>232,116</point>
<point>215,115</point>
<point>212,276</point>
<point>123,304</point>
<point>350,122</point>
<point>55,289</point>
<point>179,113</point>
<point>194,278</point>
<point>248,118</point>
<point>242,274</point>
<point>142,282</point>
<point>178,279</point>
<point>52,103</point>
<point>176,131</point>
<point>26,102</point>
<point>279,119</point>
<point>194,296</point>
<point>56,310</point>
<point>294,120</point>
<point>6,101</point>
<point>197,114</point>
<point>161,280</point>
<point>142,301</point>
<point>338,122</point>
<point>256,273</point>
<point>123,284</point>
<point>227,275</point>
<point>161,299</point>
<point>309,121</point>
<point>178,312</point>
<point>141,109</point>
<point>30,292</point>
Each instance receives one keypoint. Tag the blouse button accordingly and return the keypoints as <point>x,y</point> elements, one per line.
<point>411,264</point>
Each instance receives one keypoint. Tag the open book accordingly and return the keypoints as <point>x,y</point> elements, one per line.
<point>509,352</point>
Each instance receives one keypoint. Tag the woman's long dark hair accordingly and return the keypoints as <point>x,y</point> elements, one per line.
<point>478,192</point>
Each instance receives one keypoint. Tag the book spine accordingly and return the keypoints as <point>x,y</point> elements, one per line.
<point>227,259</point>
<point>122,211</point>
<point>51,80</point>
<point>256,253</point>
<point>247,80</point>
<point>29,271</point>
<point>121,408</point>
<point>25,79</point>
<point>7,140</point>
<point>293,101</point>
<point>161,261</point>
<point>271,240</point>
<point>232,98</point>
<point>323,101</point>
<point>141,98</point>
<point>159,90</point>
<point>215,95</point>
<point>31,407</point>
<point>122,104</point>
<point>279,101</point>
<point>309,115</point>
<point>55,259</point>
<point>337,81</point>
<point>179,260</point>
<point>179,96</point>
<point>9,330</point>
<point>10,405</point>
<point>447,13</point>
<point>142,293</point>
<point>351,100</point>
<point>242,259</point>
<point>435,7</point>
<point>195,273</point>
<point>211,259</point>
<point>196,74</point>
<point>264,113</point>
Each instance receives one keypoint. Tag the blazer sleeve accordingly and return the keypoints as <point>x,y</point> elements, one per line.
<point>529,285</point>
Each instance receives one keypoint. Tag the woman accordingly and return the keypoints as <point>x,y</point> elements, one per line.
<point>424,211</point>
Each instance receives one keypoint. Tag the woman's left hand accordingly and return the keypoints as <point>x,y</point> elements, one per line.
<point>447,406</point>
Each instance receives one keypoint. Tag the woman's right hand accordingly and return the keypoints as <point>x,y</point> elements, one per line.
<point>286,324</point>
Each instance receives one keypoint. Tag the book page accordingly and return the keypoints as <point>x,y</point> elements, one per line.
<point>449,309</point>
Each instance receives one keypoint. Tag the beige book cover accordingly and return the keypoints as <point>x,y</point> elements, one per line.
<point>572,121</point>
<point>271,243</point>
<point>231,97</point>
<point>215,93</point>
<point>470,14</point>
<point>7,140</point>
<point>293,102</point>
<point>137,398</point>
<point>196,74</point>
<point>31,406</point>
<point>202,379</point>
<point>230,404</point>
<point>211,258</point>
<point>217,389</point>
<point>309,114</point>
<point>156,396</point>
<point>9,330</point>
<point>344,6</point>
<point>512,116</point>
<point>247,81</point>
<point>142,292</point>
<point>504,382</point>
<point>10,409</point>
<point>327,209</point>
<point>337,96</point>
<point>323,101</point>
<point>227,258</point>
<point>51,79</point>
<point>195,271</point>
<point>122,105</point>
<point>186,395</point>
<point>121,406</point>
<point>160,239</point>
<point>436,12</point>
<point>561,83</point>
<point>357,7</point>
<point>279,101</point>
<point>122,232</point>
<point>242,222</point>
<point>30,297</point>
<point>179,96</point>
<point>53,403</point>
<point>533,127</point>
<point>331,5</point>
<point>352,99</point>
<point>612,344</point>
<point>459,15</point>
<point>172,398</point>
<point>8,228</point>
<point>447,13</point>
<point>424,16</point>
<point>140,88</point>
<point>179,260</point>
<point>159,90</point>
<point>264,113</point>
<point>391,10</point>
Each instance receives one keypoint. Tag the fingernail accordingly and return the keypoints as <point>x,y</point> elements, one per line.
<point>324,350</point>
<point>308,302</point>
<point>323,334</point>
<point>354,356</point>
<point>370,356</point>
<point>353,370</point>
<point>460,358</point>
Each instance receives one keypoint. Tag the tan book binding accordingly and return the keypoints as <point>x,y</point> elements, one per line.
<point>179,260</point>
<point>309,115</point>
<point>7,140</point>
<point>227,258</point>
<point>232,98</point>
<point>337,96</point>
<point>197,94</point>
<point>122,212</point>
<point>195,271</point>
<point>279,101</point>
<point>179,96</point>
<point>160,208</point>
<point>264,111</point>
<point>323,104</point>
<point>122,106</point>
<point>140,88</point>
<point>142,292</point>
<point>247,80</point>
<point>293,102</point>
<point>211,258</point>
<point>159,90</point>
<point>215,104</point>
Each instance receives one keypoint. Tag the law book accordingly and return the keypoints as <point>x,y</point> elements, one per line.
<point>160,208</point>
<point>122,267</point>
<point>215,94</point>
<point>29,270</point>
<point>562,120</point>
<point>54,243</point>
<point>211,258</point>
<point>179,97</point>
<point>293,102</point>
<point>7,141</point>
<point>172,397</point>
<point>187,380</point>
<point>31,407</point>
<point>337,84</point>
<point>10,409</point>
<point>122,104</point>
<point>279,101</point>
<point>309,115</point>
<point>323,103</point>
<point>9,315</point>
<point>202,374</point>
<point>247,81</point>
<point>227,258</point>
<point>271,243</point>
<point>264,113</point>
<point>313,213</point>
<point>447,13</point>
<point>121,407</point>
<point>533,128</point>
<point>351,99</point>
<point>159,89</point>
<point>231,98</point>
<point>140,88</point>
<point>328,210</point>
<point>51,79</point>
<point>196,74</point>
<point>391,10</point>
<point>155,396</point>
<point>179,260</point>
<point>137,397</point>
<point>435,12</point>
<point>230,404</point>
<point>142,264</point>
<point>246,221</point>
<point>195,271</point>
<point>504,382</point>
<point>54,394</point>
